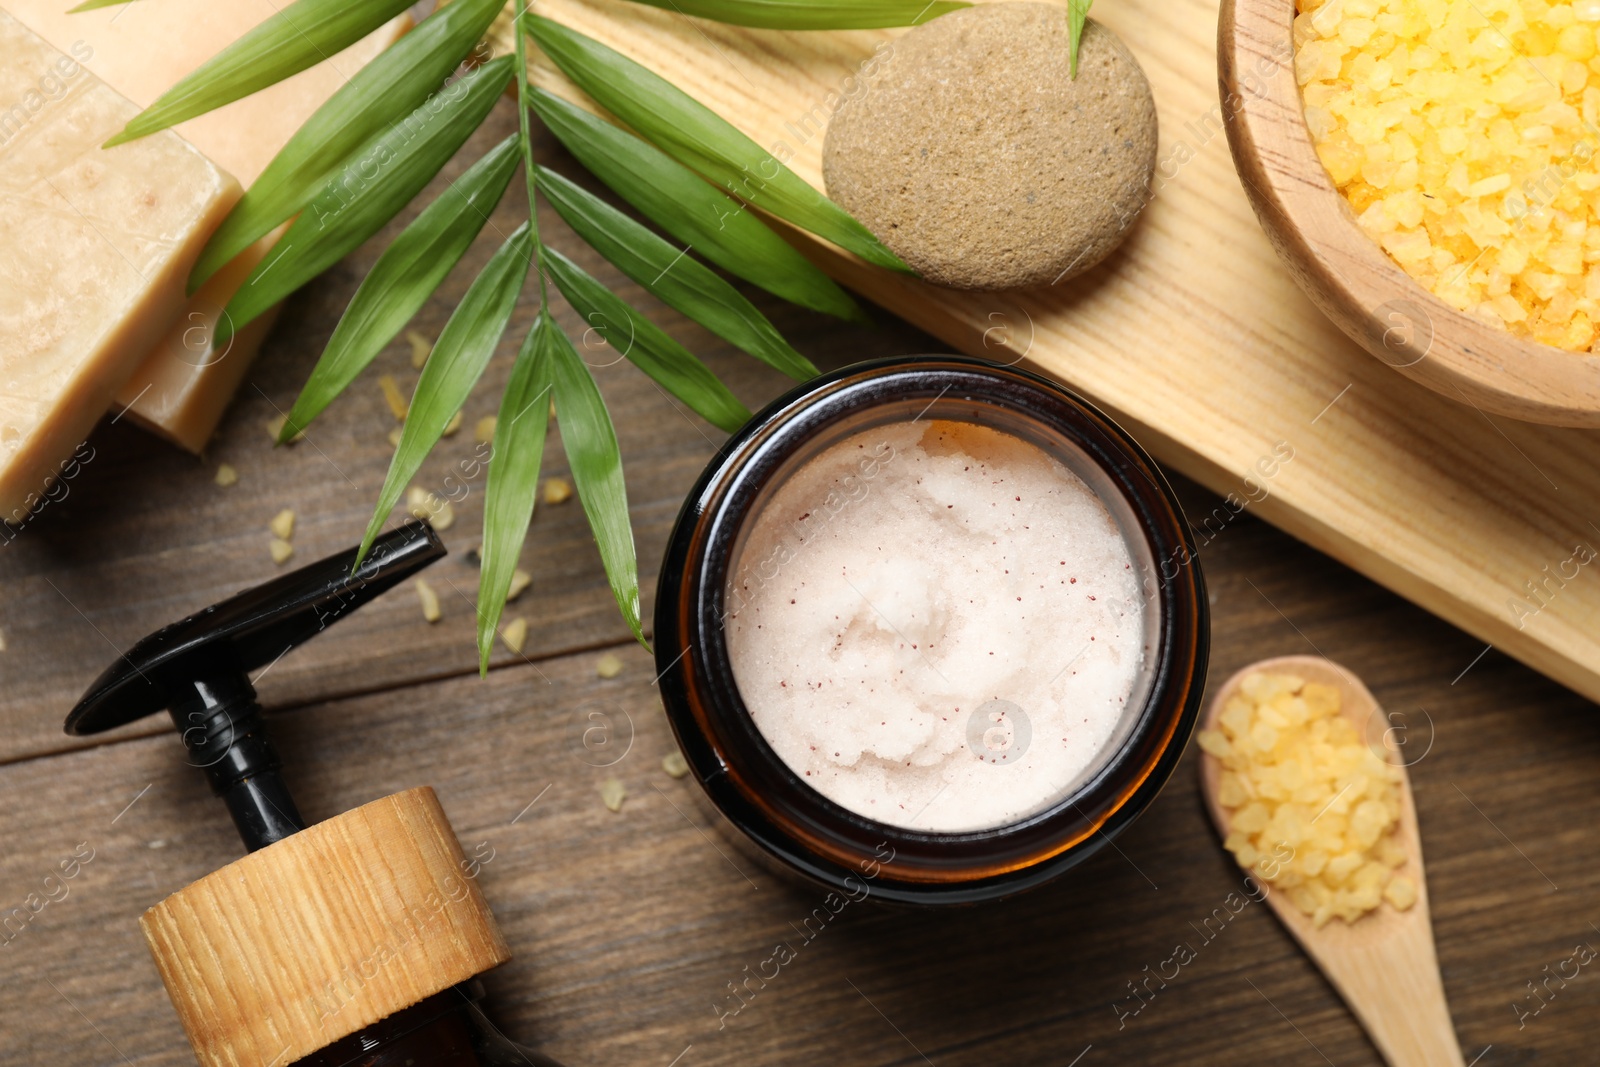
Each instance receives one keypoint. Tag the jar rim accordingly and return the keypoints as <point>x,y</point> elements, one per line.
<point>753,788</point>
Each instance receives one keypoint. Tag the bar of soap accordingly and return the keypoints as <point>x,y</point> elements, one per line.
<point>184,384</point>
<point>97,245</point>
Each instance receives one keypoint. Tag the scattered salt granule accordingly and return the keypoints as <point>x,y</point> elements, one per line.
<point>557,491</point>
<point>515,634</point>
<point>429,600</point>
<point>421,348</point>
<point>398,405</point>
<point>282,524</point>
<point>431,506</point>
<point>520,580</point>
<point>275,427</point>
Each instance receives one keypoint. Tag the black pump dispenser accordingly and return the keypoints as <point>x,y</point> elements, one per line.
<point>394,856</point>
<point>199,670</point>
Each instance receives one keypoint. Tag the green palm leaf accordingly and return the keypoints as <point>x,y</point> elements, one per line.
<point>298,36</point>
<point>378,141</point>
<point>404,277</point>
<point>1077,15</point>
<point>813,14</point>
<point>646,345</point>
<point>671,275</point>
<point>591,444</point>
<point>458,359</point>
<point>380,94</point>
<point>354,205</point>
<point>701,140</point>
<point>676,199</point>
<point>519,434</point>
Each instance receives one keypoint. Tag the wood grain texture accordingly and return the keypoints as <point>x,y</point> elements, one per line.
<point>1345,273</point>
<point>288,949</point>
<point>1385,965</point>
<point>1196,337</point>
<point>626,929</point>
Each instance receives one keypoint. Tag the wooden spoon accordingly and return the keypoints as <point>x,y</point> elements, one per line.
<point>1346,274</point>
<point>1384,965</point>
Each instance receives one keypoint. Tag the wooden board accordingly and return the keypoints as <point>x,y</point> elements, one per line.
<point>1195,336</point>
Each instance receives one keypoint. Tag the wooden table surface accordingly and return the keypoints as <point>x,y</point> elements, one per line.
<point>629,927</point>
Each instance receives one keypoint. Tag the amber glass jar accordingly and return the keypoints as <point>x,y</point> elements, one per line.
<point>794,824</point>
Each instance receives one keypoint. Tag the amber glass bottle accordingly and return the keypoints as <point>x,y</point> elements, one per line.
<point>448,1029</point>
<point>371,924</point>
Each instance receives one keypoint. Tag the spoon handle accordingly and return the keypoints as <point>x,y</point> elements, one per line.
<point>1393,986</point>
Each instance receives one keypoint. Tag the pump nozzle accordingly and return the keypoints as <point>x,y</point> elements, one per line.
<point>198,670</point>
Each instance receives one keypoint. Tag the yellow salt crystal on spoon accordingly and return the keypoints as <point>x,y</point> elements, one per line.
<point>1304,792</point>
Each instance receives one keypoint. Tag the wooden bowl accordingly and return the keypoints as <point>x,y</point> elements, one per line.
<point>1346,274</point>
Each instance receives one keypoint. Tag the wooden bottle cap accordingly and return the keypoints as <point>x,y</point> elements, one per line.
<point>323,933</point>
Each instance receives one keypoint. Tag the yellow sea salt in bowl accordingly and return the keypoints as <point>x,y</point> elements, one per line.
<point>1463,133</point>
<point>1427,169</point>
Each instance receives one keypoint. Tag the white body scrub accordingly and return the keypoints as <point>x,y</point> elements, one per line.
<point>912,576</point>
